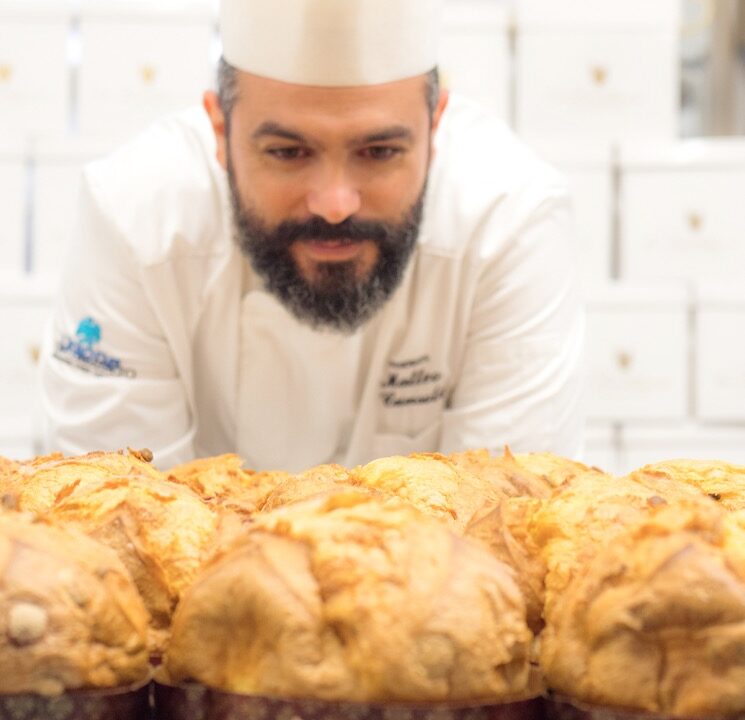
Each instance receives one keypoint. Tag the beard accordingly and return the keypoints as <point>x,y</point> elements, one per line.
<point>336,299</point>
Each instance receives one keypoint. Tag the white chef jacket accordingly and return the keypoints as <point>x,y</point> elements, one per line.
<point>163,336</point>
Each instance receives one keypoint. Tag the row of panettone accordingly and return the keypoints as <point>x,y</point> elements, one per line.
<point>423,578</point>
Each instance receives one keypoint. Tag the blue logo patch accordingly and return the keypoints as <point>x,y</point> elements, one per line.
<point>80,352</point>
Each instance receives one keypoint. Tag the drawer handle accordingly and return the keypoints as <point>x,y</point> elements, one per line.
<point>148,73</point>
<point>624,360</point>
<point>599,75</point>
<point>6,72</point>
<point>695,221</point>
<point>34,352</point>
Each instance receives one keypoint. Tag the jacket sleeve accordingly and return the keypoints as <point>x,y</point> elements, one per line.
<point>521,376</point>
<point>108,375</point>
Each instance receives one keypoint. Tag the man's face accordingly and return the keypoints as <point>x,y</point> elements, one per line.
<point>327,188</point>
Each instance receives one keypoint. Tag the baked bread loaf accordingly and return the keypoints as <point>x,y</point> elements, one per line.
<point>319,479</point>
<point>505,473</point>
<point>505,530</point>
<point>38,482</point>
<point>722,482</point>
<point>432,483</point>
<point>161,531</point>
<point>70,615</point>
<point>551,469</point>
<point>223,480</point>
<point>656,621</point>
<point>349,597</point>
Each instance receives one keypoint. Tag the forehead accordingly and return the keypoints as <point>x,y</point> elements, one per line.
<point>262,99</point>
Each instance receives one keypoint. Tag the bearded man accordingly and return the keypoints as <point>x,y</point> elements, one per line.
<point>332,260</point>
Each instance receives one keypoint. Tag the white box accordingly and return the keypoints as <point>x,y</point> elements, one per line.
<point>34,72</point>
<point>644,446</point>
<point>475,53</point>
<point>720,354</point>
<point>141,61</point>
<point>682,210</point>
<point>58,167</point>
<point>24,310</point>
<point>597,85</point>
<point>12,210</point>
<point>590,173</point>
<point>637,353</point>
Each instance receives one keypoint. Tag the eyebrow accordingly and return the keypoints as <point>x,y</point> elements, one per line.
<point>274,129</point>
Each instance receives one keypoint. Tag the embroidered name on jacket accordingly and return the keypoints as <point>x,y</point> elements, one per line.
<point>80,352</point>
<point>411,382</point>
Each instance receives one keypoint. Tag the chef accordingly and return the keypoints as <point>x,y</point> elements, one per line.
<point>330,261</point>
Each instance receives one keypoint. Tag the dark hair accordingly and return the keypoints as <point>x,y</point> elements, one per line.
<point>227,89</point>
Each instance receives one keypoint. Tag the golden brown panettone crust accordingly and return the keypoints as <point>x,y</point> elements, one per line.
<point>347,597</point>
<point>39,481</point>
<point>722,482</point>
<point>656,621</point>
<point>70,615</point>
<point>161,531</point>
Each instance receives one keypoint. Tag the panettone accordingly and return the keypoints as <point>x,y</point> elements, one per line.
<point>584,514</point>
<point>551,469</point>
<point>431,483</point>
<point>70,615</point>
<point>223,480</point>
<point>321,478</point>
<point>723,482</point>
<point>505,473</point>
<point>349,597</point>
<point>38,482</point>
<point>505,530</point>
<point>161,531</point>
<point>656,620</point>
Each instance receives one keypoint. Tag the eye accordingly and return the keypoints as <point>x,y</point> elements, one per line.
<point>380,152</point>
<point>289,153</point>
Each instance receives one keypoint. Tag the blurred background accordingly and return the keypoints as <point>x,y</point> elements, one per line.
<point>641,103</point>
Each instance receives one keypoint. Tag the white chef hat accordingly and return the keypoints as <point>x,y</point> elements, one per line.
<point>331,42</point>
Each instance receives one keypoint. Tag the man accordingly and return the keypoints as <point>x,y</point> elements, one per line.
<point>330,262</point>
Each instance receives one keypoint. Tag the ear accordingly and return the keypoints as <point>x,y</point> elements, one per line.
<point>211,104</point>
<point>442,103</point>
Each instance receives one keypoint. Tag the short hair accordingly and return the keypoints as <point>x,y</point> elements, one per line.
<point>227,89</point>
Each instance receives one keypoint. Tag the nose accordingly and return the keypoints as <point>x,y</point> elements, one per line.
<point>334,198</point>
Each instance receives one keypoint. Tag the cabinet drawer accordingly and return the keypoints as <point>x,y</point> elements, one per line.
<point>58,168</point>
<point>34,72</point>
<point>475,53</point>
<point>23,315</point>
<point>596,14</point>
<point>720,355</point>
<point>137,67</point>
<point>12,213</point>
<point>597,86</point>
<point>683,223</point>
<point>637,354</point>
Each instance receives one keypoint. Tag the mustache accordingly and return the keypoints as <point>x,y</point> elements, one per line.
<point>316,228</point>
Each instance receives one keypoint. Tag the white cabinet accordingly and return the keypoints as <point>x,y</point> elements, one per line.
<point>24,309</point>
<point>637,353</point>
<point>682,211</point>
<point>140,61</point>
<point>597,85</point>
<point>601,448</point>
<point>34,72</point>
<point>12,210</point>
<point>590,175</point>
<point>475,53</point>
<point>720,354</point>
<point>58,167</point>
